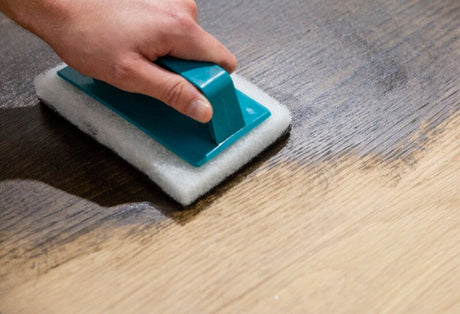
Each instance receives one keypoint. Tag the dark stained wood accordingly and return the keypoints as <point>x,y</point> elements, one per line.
<point>363,79</point>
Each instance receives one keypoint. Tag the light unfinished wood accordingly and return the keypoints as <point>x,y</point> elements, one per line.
<point>341,237</point>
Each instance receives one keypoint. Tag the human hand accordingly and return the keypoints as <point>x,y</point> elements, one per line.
<point>116,42</point>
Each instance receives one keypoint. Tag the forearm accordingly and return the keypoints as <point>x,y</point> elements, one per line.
<point>38,16</point>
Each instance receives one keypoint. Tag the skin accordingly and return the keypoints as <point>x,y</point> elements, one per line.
<point>117,40</point>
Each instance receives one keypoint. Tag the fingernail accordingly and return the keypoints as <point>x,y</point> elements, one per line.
<point>200,110</point>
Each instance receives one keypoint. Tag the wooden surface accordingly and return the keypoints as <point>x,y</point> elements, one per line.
<point>356,210</point>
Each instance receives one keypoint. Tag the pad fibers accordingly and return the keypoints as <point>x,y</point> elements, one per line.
<point>177,178</point>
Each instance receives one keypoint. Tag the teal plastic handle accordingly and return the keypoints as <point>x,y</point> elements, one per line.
<point>217,86</point>
<point>190,140</point>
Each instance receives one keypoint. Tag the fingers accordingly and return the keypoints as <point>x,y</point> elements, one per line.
<point>186,39</point>
<point>176,33</point>
<point>202,46</point>
<point>191,7</point>
<point>143,76</point>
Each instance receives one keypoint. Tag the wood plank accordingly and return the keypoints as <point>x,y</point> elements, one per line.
<point>357,210</point>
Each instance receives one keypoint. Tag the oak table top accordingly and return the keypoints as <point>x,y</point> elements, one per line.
<point>357,209</point>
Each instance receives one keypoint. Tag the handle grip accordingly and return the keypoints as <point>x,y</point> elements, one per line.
<point>217,86</point>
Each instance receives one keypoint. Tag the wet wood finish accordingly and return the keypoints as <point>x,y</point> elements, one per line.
<point>356,210</point>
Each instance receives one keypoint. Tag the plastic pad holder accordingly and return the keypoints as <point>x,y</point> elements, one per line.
<point>194,142</point>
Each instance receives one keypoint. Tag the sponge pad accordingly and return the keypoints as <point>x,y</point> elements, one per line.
<point>176,177</point>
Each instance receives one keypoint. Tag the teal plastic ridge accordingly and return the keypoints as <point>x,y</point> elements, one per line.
<point>235,114</point>
<point>217,86</point>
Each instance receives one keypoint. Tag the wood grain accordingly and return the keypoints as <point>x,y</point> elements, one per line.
<point>357,210</point>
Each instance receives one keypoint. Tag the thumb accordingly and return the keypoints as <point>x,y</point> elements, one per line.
<point>145,77</point>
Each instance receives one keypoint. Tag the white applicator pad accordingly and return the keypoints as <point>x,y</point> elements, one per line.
<point>176,177</point>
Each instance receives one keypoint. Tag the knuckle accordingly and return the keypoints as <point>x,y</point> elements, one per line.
<point>185,23</point>
<point>192,7</point>
<point>173,95</point>
<point>122,71</point>
<point>188,5</point>
<point>181,21</point>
